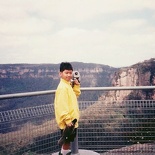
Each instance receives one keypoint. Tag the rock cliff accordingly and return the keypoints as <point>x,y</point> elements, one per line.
<point>98,75</point>
<point>19,78</point>
<point>140,74</point>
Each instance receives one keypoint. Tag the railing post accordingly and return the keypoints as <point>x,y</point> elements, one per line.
<point>74,145</point>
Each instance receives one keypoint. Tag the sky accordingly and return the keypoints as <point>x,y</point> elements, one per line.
<point>117,33</point>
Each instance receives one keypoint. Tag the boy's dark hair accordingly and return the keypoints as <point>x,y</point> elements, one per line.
<point>65,66</point>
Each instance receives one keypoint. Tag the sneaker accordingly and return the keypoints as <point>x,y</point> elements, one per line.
<point>69,153</point>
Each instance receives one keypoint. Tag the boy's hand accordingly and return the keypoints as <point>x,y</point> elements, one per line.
<point>70,124</point>
<point>76,82</point>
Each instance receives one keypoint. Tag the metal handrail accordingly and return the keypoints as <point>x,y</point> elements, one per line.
<point>17,95</point>
<point>119,88</point>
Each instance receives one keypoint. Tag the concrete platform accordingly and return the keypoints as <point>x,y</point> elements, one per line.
<point>82,152</point>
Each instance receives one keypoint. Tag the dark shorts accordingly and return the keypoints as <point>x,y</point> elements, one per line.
<point>71,136</point>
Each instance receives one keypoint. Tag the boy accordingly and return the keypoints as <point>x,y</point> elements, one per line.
<point>66,106</point>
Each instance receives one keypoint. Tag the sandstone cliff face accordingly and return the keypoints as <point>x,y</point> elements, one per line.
<point>92,75</point>
<point>17,71</point>
<point>19,78</point>
<point>141,74</point>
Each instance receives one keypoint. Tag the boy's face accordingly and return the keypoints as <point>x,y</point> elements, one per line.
<point>66,75</point>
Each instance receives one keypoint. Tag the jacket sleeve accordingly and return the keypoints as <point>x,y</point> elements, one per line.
<point>62,107</point>
<point>77,90</point>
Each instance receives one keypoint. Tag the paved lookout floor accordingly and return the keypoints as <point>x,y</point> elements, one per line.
<point>82,152</point>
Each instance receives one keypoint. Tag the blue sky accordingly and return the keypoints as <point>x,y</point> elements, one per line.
<point>115,33</point>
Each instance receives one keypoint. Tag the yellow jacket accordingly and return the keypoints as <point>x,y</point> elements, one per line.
<point>65,103</point>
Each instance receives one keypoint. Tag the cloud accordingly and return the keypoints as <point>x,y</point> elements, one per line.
<point>29,26</point>
<point>102,31</point>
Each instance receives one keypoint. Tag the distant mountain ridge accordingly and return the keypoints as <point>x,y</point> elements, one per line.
<point>19,78</point>
<point>93,72</point>
<point>47,70</point>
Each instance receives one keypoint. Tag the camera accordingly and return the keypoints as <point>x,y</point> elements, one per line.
<point>75,75</point>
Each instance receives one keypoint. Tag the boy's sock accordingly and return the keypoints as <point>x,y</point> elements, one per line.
<point>64,152</point>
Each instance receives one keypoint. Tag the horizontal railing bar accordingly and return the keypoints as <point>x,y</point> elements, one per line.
<point>26,94</point>
<point>118,88</point>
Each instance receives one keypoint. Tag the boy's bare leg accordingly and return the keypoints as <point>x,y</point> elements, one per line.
<point>65,148</point>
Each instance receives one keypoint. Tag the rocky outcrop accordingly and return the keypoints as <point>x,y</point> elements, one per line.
<point>140,74</point>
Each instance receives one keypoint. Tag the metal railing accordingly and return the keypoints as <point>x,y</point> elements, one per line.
<point>105,127</point>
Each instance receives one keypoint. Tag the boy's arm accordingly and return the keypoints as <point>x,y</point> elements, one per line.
<point>76,88</point>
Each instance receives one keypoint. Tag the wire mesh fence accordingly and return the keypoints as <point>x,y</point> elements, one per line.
<point>32,132</point>
<point>18,114</point>
<point>112,127</point>
<point>116,125</point>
